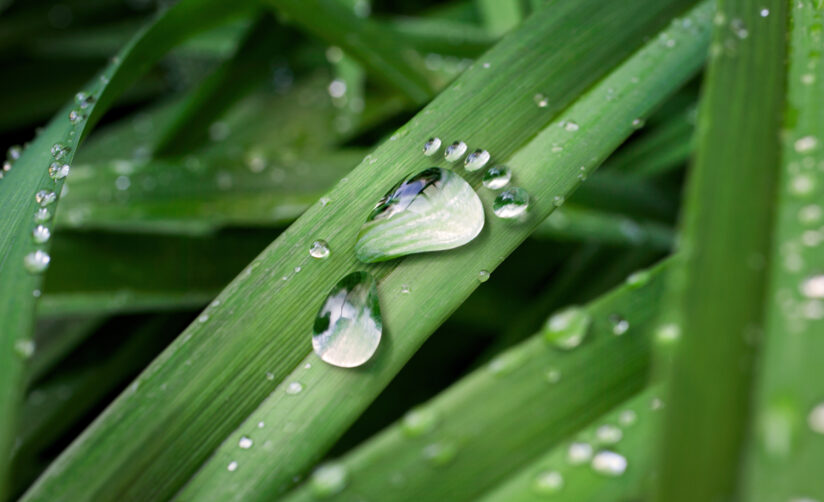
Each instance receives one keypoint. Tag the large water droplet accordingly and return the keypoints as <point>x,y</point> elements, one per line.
<point>41,234</point>
<point>432,146</point>
<point>455,151</point>
<point>58,171</point>
<point>609,463</point>
<point>568,328</point>
<point>497,177</point>
<point>329,479</point>
<point>433,210</point>
<point>36,261</point>
<point>45,197</point>
<point>548,483</point>
<point>419,421</point>
<point>348,327</point>
<point>476,160</point>
<point>511,203</point>
<point>319,249</point>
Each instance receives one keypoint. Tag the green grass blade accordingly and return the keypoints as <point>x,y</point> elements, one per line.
<point>722,284</point>
<point>579,481</point>
<point>602,372</point>
<point>577,223</point>
<point>333,397</point>
<point>786,450</point>
<point>500,16</point>
<point>443,36</point>
<point>262,323</point>
<point>30,174</point>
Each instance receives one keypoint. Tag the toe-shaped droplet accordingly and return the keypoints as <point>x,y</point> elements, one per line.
<point>348,326</point>
<point>433,210</point>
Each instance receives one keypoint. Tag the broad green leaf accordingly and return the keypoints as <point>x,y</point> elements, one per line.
<point>786,447</point>
<point>261,323</point>
<point>30,175</point>
<point>719,290</point>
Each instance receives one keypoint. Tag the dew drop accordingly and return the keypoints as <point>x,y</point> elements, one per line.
<point>439,454</point>
<point>497,177</point>
<point>570,126</point>
<point>58,171</point>
<point>558,200</point>
<point>553,376</point>
<point>36,261</point>
<point>270,376</point>
<point>348,327</point>
<point>511,203</point>
<point>13,153</point>
<point>245,442</point>
<point>813,287</point>
<point>483,276</point>
<point>608,434</point>
<point>319,249</point>
<point>433,210</point>
<point>764,12</point>
<point>42,215</point>
<point>455,151</point>
<point>504,364</point>
<point>541,100</point>
<point>609,463</point>
<point>41,234</point>
<point>405,289</point>
<point>45,197</point>
<point>419,421</point>
<point>25,348</point>
<point>59,150</point>
<point>431,146</point>
<point>668,333</point>
<point>328,480</point>
<point>579,453</point>
<point>202,318</point>
<point>805,144</point>
<point>567,328</point>
<point>816,419</point>
<point>638,279</point>
<point>337,88</point>
<point>83,99</point>
<point>476,160</point>
<point>619,324</point>
<point>548,483</point>
<point>76,117</point>
<point>294,388</point>
<point>627,418</point>
<point>638,123</point>
<point>232,467</point>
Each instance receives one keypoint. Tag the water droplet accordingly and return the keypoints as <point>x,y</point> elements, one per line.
<point>433,210</point>
<point>439,454</point>
<point>202,318</point>
<point>261,424</point>
<point>337,88</point>
<point>553,376</point>
<point>511,203</point>
<point>568,328</point>
<point>609,463</point>
<point>737,26</point>
<point>324,201</point>
<point>13,153</point>
<point>504,364</point>
<point>294,388</point>
<point>483,275</point>
<point>270,376</point>
<point>76,117</point>
<point>638,123</point>
<point>319,249</point>
<point>455,151</point>
<point>497,177</point>
<point>329,479</point>
<point>419,421</point>
<point>122,183</point>
<point>25,348</point>
<point>36,261</point>
<point>668,333</point>
<point>813,287</point>
<point>627,418</point>
<point>558,200</point>
<point>83,99</point>
<point>638,279</point>
<point>806,144</point>
<point>45,197</point>
<point>570,126</point>
<point>245,442</point>
<point>541,100</point>
<point>431,146</point>
<point>41,234</point>
<point>608,434</point>
<point>548,483</point>
<point>59,150</point>
<point>42,215</point>
<point>764,12</point>
<point>816,419</point>
<point>348,326</point>
<point>58,171</point>
<point>476,160</point>
<point>579,453</point>
<point>232,467</point>
<point>619,324</point>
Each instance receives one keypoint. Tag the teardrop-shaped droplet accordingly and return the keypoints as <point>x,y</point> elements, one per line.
<point>476,160</point>
<point>511,203</point>
<point>568,328</point>
<point>432,146</point>
<point>348,327</point>
<point>319,249</point>
<point>455,151</point>
<point>433,210</point>
<point>497,177</point>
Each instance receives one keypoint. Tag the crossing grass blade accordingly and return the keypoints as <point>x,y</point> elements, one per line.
<point>720,289</point>
<point>785,450</point>
<point>30,174</point>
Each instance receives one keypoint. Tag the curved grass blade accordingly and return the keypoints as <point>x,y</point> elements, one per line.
<point>30,174</point>
<point>576,223</point>
<point>786,450</point>
<point>720,289</point>
<point>334,398</point>
<point>260,323</point>
<point>568,472</point>
<point>451,447</point>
